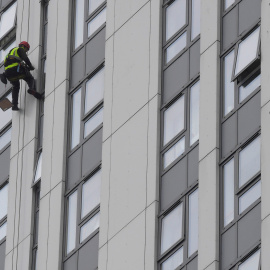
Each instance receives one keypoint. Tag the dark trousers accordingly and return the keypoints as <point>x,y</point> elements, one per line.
<point>14,75</point>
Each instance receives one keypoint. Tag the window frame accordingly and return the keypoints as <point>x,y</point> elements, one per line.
<point>5,38</point>
<point>4,219</point>
<point>183,242</point>
<point>87,19</point>
<point>238,192</point>
<point>186,28</point>
<point>185,131</point>
<point>240,75</point>
<point>79,221</point>
<point>83,117</point>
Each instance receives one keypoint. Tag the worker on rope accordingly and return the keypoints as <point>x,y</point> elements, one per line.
<point>17,66</point>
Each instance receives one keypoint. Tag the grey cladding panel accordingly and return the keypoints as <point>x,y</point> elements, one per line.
<point>71,263</point>
<point>229,135</point>
<point>2,255</point>
<point>249,117</point>
<point>193,265</point>
<point>5,2</point>
<point>249,230</point>
<point>230,26</point>
<point>78,66</point>
<point>88,255</point>
<point>95,51</point>
<point>249,14</point>
<point>174,182</point>
<point>176,76</point>
<point>92,153</point>
<point>195,60</point>
<point>4,165</point>
<point>193,166</point>
<point>229,247</point>
<point>74,168</point>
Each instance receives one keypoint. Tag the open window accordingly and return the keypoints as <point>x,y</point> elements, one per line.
<point>38,169</point>
<point>247,56</point>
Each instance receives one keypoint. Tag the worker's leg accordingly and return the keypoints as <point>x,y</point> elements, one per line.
<point>32,85</point>
<point>15,91</point>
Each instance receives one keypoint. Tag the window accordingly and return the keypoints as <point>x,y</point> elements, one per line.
<point>176,125</point>
<point>253,262</point>
<point>176,47</point>
<point>38,168</point>
<point>3,210</point>
<point>35,229</point>
<point>7,21</point>
<point>179,232</point>
<point>247,52</point>
<point>228,3</point>
<point>6,50</point>
<point>172,228</point>
<point>246,89</point>
<point>92,20</point>
<point>248,188</point>
<point>89,118</point>
<point>175,17</point>
<point>174,118</point>
<point>94,4</point>
<point>5,116</point>
<point>97,22</point>
<point>86,197</point>
<point>196,17</point>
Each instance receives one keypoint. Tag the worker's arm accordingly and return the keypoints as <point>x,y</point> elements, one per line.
<point>24,57</point>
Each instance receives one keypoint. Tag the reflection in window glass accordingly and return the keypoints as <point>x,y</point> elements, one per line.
<point>196,17</point>
<point>228,3</point>
<point>94,4</point>
<point>252,263</point>
<point>76,118</point>
<point>38,169</point>
<point>228,84</point>
<point>3,201</point>
<point>173,261</point>
<point>176,47</point>
<point>174,152</point>
<point>228,178</point>
<point>99,20</point>
<point>6,50</point>
<point>79,22</point>
<point>246,90</point>
<point>93,122</point>
<point>89,227</point>
<point>94,90</point>
<point>3,231</point>
<point>249,197</point>
<point>247,51</point>
<point>175,17</point>
<point>193,214</point>
<point>174,119</point>
<point>7,20</point>
<point>171,230</point>
<point>249,161</point>
<point>194,112</point>
<point>5,139</point>
<point>91,194</point>
<point>5,116</point>
<point>72,218</point>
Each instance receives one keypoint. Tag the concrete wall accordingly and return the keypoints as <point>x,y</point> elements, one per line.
<point>265,133</point>
<point>209,136</point>
<point>129,195</point>
<point>24,140</point>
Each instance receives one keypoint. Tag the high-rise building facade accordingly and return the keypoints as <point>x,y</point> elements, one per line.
<point>150,149</point>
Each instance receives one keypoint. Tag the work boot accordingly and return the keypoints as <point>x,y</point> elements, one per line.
<point>34,93</point>
<point>15,107</point>
<point>3,78</point>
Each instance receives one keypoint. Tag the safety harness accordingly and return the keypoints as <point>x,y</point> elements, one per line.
<point>13,59</point>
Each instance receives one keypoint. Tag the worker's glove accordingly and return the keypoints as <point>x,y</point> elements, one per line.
<point>31,68</point>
